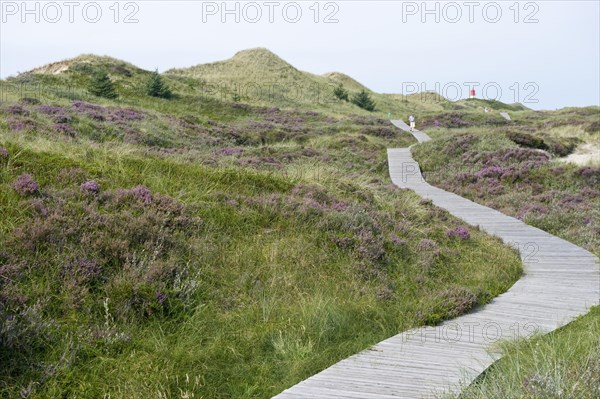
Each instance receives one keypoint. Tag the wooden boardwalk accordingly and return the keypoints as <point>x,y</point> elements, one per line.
<point>560,282</point>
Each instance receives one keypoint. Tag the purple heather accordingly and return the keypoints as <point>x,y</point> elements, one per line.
<point>25,185</point>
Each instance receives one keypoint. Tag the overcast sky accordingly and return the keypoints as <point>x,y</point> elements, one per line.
<point>544,51</point>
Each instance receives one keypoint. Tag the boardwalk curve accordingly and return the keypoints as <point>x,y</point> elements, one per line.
<point>560,281</point>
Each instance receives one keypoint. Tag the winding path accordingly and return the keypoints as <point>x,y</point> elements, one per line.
<point>560,281</point>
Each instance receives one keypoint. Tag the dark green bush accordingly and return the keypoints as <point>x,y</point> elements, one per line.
<point>341,93</point>
<point>156,87</point>
<point>527,140</point>
<point>593,127</point>
<point>363,100</point>
<point>102,86</point>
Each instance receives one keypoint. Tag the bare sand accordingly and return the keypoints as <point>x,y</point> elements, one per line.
<point>585,154</point>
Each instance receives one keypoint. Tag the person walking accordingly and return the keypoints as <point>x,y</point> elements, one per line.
<point>411,120</point>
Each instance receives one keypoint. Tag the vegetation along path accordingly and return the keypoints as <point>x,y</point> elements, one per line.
<point>560,282</point>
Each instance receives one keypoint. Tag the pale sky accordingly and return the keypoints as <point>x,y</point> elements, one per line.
<point>386,45</point>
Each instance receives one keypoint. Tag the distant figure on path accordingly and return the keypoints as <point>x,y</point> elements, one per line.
<point>411,119</point>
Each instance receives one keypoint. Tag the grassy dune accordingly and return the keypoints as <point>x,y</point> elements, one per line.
<point>211,246</point>
<point>168,248</point>
<point>520,169</point>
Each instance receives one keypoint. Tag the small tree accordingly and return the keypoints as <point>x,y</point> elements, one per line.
<point>341,93</point>
<point>364,101</point>
<point>156,87</point>
<point>102,86</point>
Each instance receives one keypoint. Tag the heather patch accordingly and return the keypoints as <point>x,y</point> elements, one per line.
<point>80,119</point>
<point>531,209</point>
<point>120,244</point>
<point>167,132</point>
<point>427,245</point>
<point>135,219</point>
<point>520,181</point>
<point>90,187</point>
<point>381,131</point>
<point>455,300</point>
<point>121,260</point>
<point>20,125</point>
<point>459,232</point>
<point>16,109</point>
<point>51,110</point>
<point>590,174</point>
<point>25,185</point>
<point>230,251</point>
<point>448,120</point>
<point>65,129</point>
<point>460,145</point>
<point>288,247</point>
<point>101,114</point>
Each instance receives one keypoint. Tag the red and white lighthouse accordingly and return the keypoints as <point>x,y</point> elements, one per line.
<point>472,93</point>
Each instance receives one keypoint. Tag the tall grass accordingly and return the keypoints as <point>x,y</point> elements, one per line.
<point>289,271</point>
<point>562,364</point>
<point>231,250</point>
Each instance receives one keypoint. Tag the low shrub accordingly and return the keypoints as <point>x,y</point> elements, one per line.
<point>527,140</point>
<point>25,185</point>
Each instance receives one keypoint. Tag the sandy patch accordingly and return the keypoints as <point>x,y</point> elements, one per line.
<point>585,154</point>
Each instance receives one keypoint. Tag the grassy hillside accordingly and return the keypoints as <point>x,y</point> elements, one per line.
<point>156,248</point>
<point>260,77</point>
<point>217,246</point>
<point>478,103</point>
<point>520,170</point>
<point>345,80</point>
<point>255,77</point>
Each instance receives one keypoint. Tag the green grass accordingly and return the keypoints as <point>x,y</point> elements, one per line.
<point>256,76</point>
<point>275,299</point>
<point>534,185</point>
<point>265,245</point>
<point>562,364</point>
<point>276,261</point>
<point>552,195</point>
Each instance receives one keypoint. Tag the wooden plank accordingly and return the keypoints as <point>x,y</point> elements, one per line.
<point>560,282</point>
